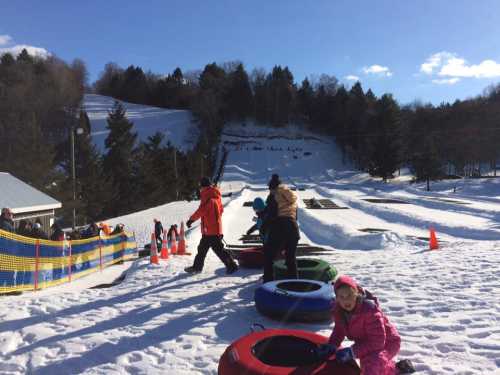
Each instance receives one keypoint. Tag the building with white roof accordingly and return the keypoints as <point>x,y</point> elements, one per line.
<point>26,202</point>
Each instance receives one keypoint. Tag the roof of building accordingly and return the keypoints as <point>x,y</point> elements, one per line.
<point>21,197</point>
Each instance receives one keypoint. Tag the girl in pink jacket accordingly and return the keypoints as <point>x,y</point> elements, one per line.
<point>358,317</point>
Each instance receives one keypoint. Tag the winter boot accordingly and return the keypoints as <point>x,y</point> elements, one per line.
<point>191,269</point>
<point>405,367</point>
<point>231,268</point>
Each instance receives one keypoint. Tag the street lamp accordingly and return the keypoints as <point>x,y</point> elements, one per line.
<point>73,172</point>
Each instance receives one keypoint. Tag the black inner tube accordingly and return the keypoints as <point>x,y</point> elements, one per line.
<point>298,286</point>
<point>285,351</point>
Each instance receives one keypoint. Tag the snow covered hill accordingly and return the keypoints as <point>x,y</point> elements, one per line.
<point>177,125</point>
<point>160,320</point>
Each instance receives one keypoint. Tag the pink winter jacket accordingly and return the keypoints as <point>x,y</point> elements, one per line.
<point>376,340</point>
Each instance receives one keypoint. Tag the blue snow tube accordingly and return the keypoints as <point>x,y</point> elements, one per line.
<point>295,300</point>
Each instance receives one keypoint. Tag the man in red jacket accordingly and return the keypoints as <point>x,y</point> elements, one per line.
<point>210,212</point>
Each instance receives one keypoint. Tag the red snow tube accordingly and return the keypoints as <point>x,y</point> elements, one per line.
<point>280,352</point>
<point>254,257</point>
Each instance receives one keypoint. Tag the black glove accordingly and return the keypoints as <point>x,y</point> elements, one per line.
<point>189,223</point>
<point>324,351</point>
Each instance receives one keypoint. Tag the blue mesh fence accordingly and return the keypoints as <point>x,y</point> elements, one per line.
<point>29,263</point>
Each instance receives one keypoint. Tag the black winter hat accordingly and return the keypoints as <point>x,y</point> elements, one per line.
<point>274,182</point>
<point>205,181</point>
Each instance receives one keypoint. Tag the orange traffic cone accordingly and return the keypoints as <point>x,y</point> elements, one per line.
<point>181,250</point>
<point>433,242</point>
<point>153,259</point>
<point>173,245</point>
<point>164,247</point>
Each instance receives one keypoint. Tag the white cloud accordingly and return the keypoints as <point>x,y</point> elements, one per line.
<point>351,77</point>
<point>435,61</point>
<point>446,81</point>
<point>33,51</point>
<point>446,64</point>
<point>5,39</point>
<point>378,69</point>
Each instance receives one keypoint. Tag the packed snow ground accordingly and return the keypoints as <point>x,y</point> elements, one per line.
<point>160,320</point>
<point>178,126</point>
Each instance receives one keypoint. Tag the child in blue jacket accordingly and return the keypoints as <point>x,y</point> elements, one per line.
<point>259,206</point>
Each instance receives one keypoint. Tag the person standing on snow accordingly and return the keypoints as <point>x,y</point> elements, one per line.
<point>281,227</point>
<point>358,316</point>
<point>210,212</point>
<point>172,232</point>
<point>158,233</point>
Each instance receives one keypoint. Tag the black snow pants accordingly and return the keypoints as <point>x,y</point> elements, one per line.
<point>283,235</point>
<point>214,242</point>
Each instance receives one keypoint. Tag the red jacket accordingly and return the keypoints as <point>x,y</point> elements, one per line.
<point>210,211</point>
<point>376,340</point>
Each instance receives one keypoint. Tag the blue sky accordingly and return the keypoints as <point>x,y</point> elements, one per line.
<point>430,50</point>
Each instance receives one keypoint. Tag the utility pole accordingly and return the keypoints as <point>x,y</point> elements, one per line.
<point>73,175</point>
<point>73,170</point>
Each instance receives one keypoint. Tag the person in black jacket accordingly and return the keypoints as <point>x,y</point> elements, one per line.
<point>91,231</point>
<point>280,225</point>
<point>57,233</point>
<point>6,222</point>
<point>158,233</point>
<point>24,228</point>
<point>172,231</point>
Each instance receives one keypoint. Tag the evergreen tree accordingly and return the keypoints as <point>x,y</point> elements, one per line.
<point>357,121</point>
<point>94,188</point>
<point>240,95</point>
<point>261,103</point>
<point>305,100</point>
<point>426,164</point>
<point>386,155</point>
<point>118,162</point>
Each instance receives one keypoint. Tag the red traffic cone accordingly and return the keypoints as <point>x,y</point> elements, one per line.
<point>173,245</point>
<point>181,250</point>
<point>153,259</point>
<point>433,242</point>
<point>164,247</point>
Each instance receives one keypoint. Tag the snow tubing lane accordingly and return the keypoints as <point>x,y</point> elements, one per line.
<point>295,300</point>
<point>308,268</point>
<point>280,352</point>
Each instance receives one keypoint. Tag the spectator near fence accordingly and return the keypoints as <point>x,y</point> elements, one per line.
<point>57,233</point>
<point>6,222</point>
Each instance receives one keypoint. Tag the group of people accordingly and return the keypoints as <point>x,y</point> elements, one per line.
<point>27,228</point>
<point>172,231</point>
<point>35,230</point>
<point>276,221</point>
<point>356,313</point>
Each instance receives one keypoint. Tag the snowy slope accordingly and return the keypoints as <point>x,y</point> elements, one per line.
<point>160,320</point>
<point>177,125</point>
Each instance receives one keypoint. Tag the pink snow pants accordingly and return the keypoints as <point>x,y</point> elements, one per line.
<point>382,363</point>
